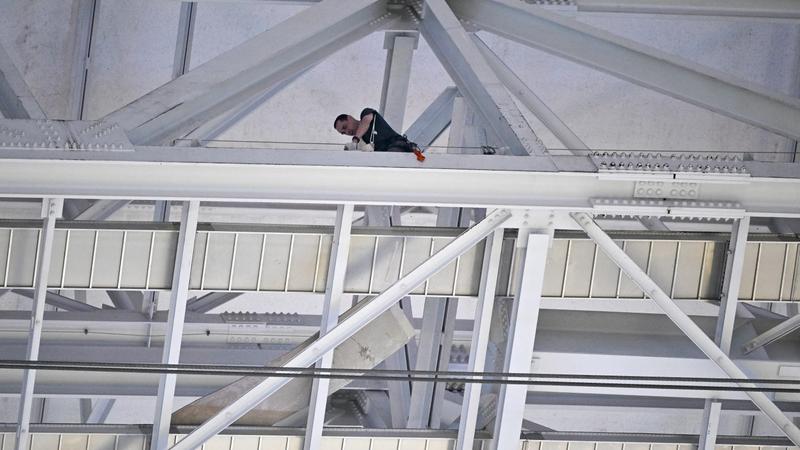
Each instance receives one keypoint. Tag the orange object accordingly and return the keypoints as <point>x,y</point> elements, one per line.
<point>419,155</point>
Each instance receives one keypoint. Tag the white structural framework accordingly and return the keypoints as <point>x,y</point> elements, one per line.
<point>534,292</point>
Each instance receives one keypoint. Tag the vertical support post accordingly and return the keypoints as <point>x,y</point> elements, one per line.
<point>480,339</point>
<point>397,72</point>
<point>685,323</point>
<point>177,311</point>
<point>83,20</point>
<point>183,45</point>
<point>371,309</point>
<point>399,53</point>
<point>532,250</point>
<point>51,209</point>
<point>727,316</point>
<point>334,290</point>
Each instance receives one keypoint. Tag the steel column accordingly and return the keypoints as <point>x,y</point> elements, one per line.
<point>634,62</point>
<point>183,45</point>
<point>177,313</point>
<point>532,249</point>
<point>727,317</point>
<point>340,247</point>
<point>480,339</point>
<point>692,331</point>
<point>399,53</point>
<point>51,209</point>
<point>338,334</point>
<point>84,16</point>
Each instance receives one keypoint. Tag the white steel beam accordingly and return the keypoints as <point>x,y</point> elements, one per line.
<point>480,339</point>
<point>399,53</point>
<point>634,62</point>
<point>430,338</point>
<point>775,9</point>
<point>127,300</point>
<point>83,15</point>
<point>178,107</point>
<point>97,411</point>
<point>334,291</point>
<point>727,317</point>
<point>183,44</point>
<point>16,99</point>
<point>773,334</point>
<point>692,331</point>
<point>532,250</point>
<point>434,120</point>
<point>217,126</point>
<point>51,209</point>
<point>528,98</point>
<point>311,176</point>
<point>338,334</point>
<point>101,210</point>
<point>59,301</point>
<point>210,301</point>
<point>177,313</point>
<point>476,80</point>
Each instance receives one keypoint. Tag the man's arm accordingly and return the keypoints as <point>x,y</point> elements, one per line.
<point>363,125</point>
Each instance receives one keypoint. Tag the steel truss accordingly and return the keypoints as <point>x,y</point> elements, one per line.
<point>536,194</point>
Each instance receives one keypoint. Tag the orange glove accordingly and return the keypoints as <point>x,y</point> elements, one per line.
<point>419,155</point>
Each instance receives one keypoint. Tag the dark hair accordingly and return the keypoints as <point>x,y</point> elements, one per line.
<point>339,118</point>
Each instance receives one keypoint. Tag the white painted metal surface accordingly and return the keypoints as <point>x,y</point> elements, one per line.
<point>480,340</point>
<point>346,328</point>
<point>686,325</point>
<point>51,209</point>
<point>635,62</point>
<point>177,313</point>
<point>725,322</point>
<point>334,291</point>
<point>523,324</point>
<point>476,80</point>
<point>132,257</point>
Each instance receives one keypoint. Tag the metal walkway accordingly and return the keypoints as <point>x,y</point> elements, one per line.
<point>140,256</point>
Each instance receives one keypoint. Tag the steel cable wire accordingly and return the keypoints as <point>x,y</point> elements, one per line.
<point>564,380</point>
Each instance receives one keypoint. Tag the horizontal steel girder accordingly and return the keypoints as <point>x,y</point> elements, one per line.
<point>121,256</point>
<point>299,176</point>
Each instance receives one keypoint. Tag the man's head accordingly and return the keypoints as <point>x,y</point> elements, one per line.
<point>346,124</point>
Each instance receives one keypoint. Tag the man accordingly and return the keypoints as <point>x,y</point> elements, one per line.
<point>373,129</point>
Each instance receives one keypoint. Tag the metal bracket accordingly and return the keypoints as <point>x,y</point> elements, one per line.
<point>666,189</point>
<point>667,208</point>
<point>81,135</point>
<point>647,162</point>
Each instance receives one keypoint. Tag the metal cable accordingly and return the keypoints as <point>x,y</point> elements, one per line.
<point>410,375</point>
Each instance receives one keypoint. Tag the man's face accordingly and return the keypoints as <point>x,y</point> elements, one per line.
<point>347,127</point>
